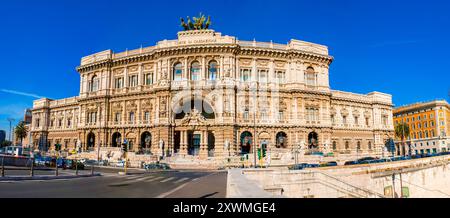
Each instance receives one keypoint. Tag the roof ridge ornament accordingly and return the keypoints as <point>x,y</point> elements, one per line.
<point>200,23</point>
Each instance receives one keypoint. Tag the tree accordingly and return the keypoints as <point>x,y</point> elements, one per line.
<point>402,132</point>
<point>5,143</point>
<point>21,131</point>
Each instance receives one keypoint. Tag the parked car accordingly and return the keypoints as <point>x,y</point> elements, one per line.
<point>151,166</point>
<point>120,163</point>
<point>365,159</point>
<point>312,166</point>
<point>416,156</point>
<point>299,166</point>
<point>444,153</point>
<point>350,162</point>
<point>329,164</point>
<point>72,164</point>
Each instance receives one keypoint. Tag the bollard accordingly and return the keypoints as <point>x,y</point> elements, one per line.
<point>3,167</point>
<point>56,170</point>
<point>76,167</point>
<point>32,168</point>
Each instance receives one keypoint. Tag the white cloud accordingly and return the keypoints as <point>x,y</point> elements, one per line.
<point>21,93</point>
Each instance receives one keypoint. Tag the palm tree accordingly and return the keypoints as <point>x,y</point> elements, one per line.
<point>21,131</point>
<point>402,132</point>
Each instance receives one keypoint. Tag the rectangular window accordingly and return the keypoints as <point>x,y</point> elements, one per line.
<point>118,83</point>
<point>148,79</point>
<point>147,116</point>
<point>246,115</point>
<point>245,75</point>
<point>132,81</point>
<point>281,76</point>
<point>117,118</point>
<point>262,76</point>
<point>131,117</point>
<point>280,115</point>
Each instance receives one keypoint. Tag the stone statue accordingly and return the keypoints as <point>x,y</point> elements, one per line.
<point>200,23</point>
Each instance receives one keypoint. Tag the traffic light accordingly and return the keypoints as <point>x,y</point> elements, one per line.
<point>264,151</point>
<point>259,153</point>
<point>124,147</point>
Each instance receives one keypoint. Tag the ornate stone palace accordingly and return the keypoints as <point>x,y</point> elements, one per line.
<point>209,95</point>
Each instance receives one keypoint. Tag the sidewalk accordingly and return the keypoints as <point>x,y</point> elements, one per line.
<point>46,177</point>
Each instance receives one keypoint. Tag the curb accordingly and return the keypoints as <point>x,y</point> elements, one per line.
<point>28,178</point>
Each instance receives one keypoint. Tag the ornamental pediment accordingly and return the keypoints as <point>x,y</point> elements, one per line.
<point>245,62</point>
<point>193,118</point>
<point>148,67</point>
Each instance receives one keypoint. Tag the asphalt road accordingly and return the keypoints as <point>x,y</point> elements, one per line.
<point>171,184</point>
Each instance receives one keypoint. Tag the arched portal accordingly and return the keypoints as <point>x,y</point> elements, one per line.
<point>146,141</point>
<point>281,140</point>
<point>116,139</point>
<point>246,142</point>
<point>91,140</point>
<point>313,140</point>
<point>186,106</point>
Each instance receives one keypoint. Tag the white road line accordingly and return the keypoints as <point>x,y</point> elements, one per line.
<point>133,177</point>
<point>142,179</point>
<point>154,179</point>
<point>181,180</point>
<point>168,179</point>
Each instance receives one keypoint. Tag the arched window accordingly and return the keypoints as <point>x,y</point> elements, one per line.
<point>358,145</point>
<point>346,145</point>
<point>310,77</point>
<point>369,145</point>
<point>334,146</point>
<point>195,71</point>
<point>177,72</point>
<point>212,70</point>
<point>93,84</point>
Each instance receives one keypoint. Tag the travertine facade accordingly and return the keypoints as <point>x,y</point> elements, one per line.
<point>139,95</point>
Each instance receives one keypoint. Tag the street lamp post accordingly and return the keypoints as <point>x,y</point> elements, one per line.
<point>10,120</point>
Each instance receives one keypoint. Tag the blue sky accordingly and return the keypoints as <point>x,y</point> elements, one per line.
<point>397,47</point>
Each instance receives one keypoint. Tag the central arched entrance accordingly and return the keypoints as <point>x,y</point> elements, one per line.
<point>116,139</point>
<point>146,142</point>
<point>246,142</point>
<point>91,140</point>
<point>313,141</point>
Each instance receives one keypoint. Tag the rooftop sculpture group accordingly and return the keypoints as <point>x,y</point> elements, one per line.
<point>200,23</point>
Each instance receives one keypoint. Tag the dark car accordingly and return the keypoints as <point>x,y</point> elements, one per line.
<point>444,153</point>
<point>329,164</point>
<point>312,165</point>
<point>365,159</point>
<point>71,164</point>
<point>416,156</point>
<point>350,162</point>
<point>298,166</point>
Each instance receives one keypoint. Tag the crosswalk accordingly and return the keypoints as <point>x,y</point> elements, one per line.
<point>146,178</point>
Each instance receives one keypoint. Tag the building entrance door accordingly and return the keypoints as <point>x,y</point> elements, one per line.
<point>194,144</point>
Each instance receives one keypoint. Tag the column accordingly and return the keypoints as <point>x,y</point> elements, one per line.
<point>183,140</point>
<point>254,73</point>
<point>204,145</point>
<point>125,77</point>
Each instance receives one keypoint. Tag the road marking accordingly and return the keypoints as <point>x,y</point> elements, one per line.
<point>168,179</point>
<point>133,177</point>
<point>143,178</point>
<point>163,195</point>
<point>181,180</point>
<point>154,179</point>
